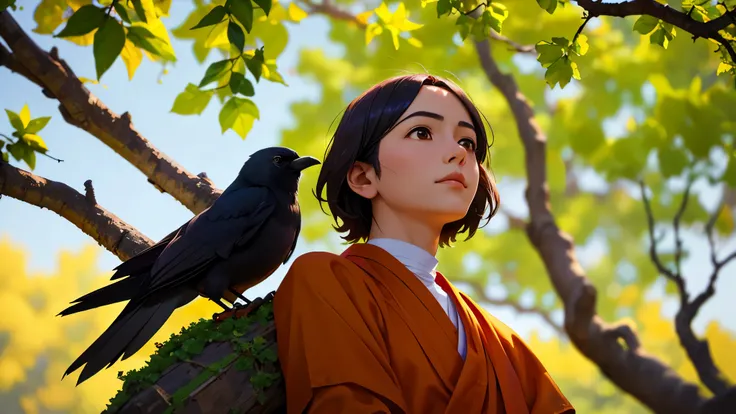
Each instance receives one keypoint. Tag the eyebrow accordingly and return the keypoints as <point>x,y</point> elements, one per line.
<point>437,117</point>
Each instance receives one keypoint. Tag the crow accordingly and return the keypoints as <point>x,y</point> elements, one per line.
<point>236,243</point>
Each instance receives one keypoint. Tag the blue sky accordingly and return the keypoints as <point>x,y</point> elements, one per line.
<point>197,144</point>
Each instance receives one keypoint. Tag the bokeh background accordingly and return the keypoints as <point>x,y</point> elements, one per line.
<point>618,123</point>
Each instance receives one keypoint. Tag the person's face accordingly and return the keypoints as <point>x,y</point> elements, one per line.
<point>433,139</point>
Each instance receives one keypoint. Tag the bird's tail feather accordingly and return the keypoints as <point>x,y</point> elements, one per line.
<point>119,291</point>
<point>127,334</point>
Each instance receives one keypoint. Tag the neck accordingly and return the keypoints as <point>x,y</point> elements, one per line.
<point>407,227</point>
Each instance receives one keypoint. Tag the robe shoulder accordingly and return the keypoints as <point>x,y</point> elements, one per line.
<point>331,346</point>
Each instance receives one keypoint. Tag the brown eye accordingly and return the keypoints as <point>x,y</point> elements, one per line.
<point>468,143</point>
<point>420,133</point>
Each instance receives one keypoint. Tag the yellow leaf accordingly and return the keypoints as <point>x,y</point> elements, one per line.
<point>84,40</point>
<point>25,115</point>
<point>575,71</point>
<point>76,4</point>
<point>414,42</point>
<point>373,30</point>
<point>296,13</point>
<point>87,80</point>
<point>383,13</point>
<point>35,142</point>
<point>162,7</point>
<point>426,2</point>
<point>132,58</point>
<point>723,67</point>
<point>394,36</point>
<point>363,17</point>
<point>725,220</point>
<point>49,14</point>
<point>217,36</point>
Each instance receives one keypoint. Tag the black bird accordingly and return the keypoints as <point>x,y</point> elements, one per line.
<point>236,243</point>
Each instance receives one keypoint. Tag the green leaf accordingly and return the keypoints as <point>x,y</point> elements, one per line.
<point>236,36</point>
<point>271,73</point>
<point>239,84</point>
<point>213,17</point>
<point>86,19</point>
<point>493,20</point>
<point>37,124</point>
<point>108,43</point>
<point>562,41</point>
<point>145,39</point>
<point>4,4</point>
<point>672,161</point>
<point>729,176</point>
<point>140,11</point>
<point>5,157</point>
<point>193,101</point>
<point>255,64</point>
<point>215,71</point>
<point>30,158</point>
<point>560,71</point>
<point>548,5</point>
<point>265,5</point>
<point>549,53</point>
<point>120,10</point>
<point>660,37</point>
<point>15,120</point>
<point>645,24</point>
<point>238,114</point>
<point>243,11</point>
<point>444,7</point>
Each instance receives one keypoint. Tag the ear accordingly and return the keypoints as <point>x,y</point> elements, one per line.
<point>362,179</point>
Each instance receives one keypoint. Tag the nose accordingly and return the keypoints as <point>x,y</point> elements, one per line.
<point>456,153</point>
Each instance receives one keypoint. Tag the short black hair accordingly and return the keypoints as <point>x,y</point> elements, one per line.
<point>367,120</point>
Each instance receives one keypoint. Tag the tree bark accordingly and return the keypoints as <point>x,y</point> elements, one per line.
<point>112,233</point>
<point>629,367</point>
<point>81,108</point>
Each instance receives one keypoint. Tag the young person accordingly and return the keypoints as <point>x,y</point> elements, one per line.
<point>377,329</point>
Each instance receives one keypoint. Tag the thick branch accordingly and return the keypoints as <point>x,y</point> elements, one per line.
<point>529,310</point>
<point>109,231</point>
<point>646,378</point>
<point>81,108</point>
<point>707,30</point>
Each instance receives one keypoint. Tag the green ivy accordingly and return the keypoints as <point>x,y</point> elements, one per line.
<point>190,342</point>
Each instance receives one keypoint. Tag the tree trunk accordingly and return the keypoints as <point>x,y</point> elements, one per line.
<point>235,372</point>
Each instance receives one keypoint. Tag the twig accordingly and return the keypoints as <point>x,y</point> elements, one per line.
<point>697,349</point>
<point>706,30</point>
<point>479,290</point>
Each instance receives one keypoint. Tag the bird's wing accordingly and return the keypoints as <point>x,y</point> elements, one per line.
<point>145,259</point>
<point>232,221</point>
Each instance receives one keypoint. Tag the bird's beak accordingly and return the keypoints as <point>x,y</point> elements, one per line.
<point>302,163</point>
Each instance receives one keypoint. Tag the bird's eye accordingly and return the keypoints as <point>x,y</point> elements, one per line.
<point>277,160</point>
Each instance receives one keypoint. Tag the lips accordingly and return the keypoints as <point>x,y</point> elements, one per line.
<point>454,176</point>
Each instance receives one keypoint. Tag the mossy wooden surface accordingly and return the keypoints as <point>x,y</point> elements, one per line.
<point>227,367</point>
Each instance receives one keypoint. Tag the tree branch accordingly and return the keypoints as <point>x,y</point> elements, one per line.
<point>707,30</point>
<point>480,292</point>
<point>629,367</point>
<point>697,349</point>
<point>327,8</point>
<point>81,108</point>
<point>109,231</point>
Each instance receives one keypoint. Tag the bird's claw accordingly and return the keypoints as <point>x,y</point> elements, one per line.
<point>237,311</point>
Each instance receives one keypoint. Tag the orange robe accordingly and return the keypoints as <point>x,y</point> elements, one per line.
<point>359,333</point>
